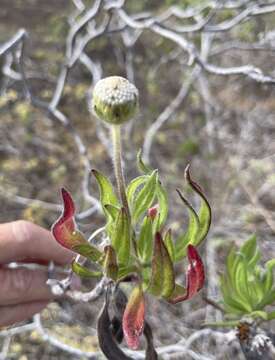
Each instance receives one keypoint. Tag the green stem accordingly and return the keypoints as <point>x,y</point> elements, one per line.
<point>116,137</point>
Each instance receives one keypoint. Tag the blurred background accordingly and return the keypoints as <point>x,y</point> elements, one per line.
<point>206,73</point>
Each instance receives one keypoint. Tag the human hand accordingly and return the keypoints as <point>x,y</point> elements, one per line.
<point>24,292</point>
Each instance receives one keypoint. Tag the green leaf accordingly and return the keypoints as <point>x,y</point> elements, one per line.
<point>88,251</point>
<point>145,240</point>
<point>84,272</point>
<point>110,262</point>
<point>133,186</point>
<point>168,273</point>
<point>190,237</point>
<point>238,281</point>
<point>111,219</point>
<point>246,286</point>
<point>249,247</point>
<point>156,281</point>
<point>163,205</point>
<point>162,281</point>
<point>249,250</point>
<point>179,291</point>
<point>259,314</point>
<point>161,192</point>
<point>146,277</point>
<point>231,301</point>
<point>204,211</point>
<point>256,293</point>
<point>124,271</point>
<point>107,194</point>
<point>143,168</point>
<point>145,197</point>
<point>268,299</point>
<point>241,285</point>
<point>271,315</point>
<point>255,259</point>
<point>168,241</point>
<point>268,281</point>
<point>205,220</point>
<point>112,210</point>
<point>121,237</point>
<point>231,285</point>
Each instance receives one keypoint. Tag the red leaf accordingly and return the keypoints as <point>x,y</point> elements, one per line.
<point>194,278</point>
<point>133,318</point>
<point>195,272</point>
<point>64,229</point>
<point>196,265</point>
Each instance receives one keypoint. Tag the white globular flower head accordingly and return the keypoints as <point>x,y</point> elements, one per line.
<point>115,100</point>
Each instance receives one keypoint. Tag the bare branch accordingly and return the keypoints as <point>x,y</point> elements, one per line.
<point>167,113</point>
<point>59,344</point>
<point>13,42</point>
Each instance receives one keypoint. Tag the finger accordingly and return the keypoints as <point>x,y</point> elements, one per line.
<point>22,239</point>
<point>10,315</point>
<point>23,285</point>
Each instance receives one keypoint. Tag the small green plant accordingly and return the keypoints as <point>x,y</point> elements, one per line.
<point>141,249</point>
<point>247,286</point>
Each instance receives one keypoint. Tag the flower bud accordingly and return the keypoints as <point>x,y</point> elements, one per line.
<point>152,212</point>
<point>115,100</point>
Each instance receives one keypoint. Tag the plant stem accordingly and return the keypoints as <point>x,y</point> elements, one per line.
<point>214,304</point>
<point>116,137</point>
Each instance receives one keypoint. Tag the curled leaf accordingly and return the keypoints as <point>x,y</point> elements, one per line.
<point>197,269</point>
<point>133,317</point>
<point>143,168</point>
<point>199,224</point>
<point>156,281</point>
<point>110,262</point>
<point>190,236</point>
<point>120,305</point>
<point>205,210</point>
<point>120,302</point>
<point>162,281</point>
<point>117,330</point>
<point>106,339</point>
<point>150,353</point>
<point>194,278</point>
<point>65,230</point>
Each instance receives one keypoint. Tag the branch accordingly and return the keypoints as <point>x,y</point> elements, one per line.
<point>167,113</point>
<point>59,344</point>
<point>13,42</point>
<point>247,70</point>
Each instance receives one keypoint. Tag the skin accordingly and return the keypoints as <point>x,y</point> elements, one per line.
<point>24,292</point>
